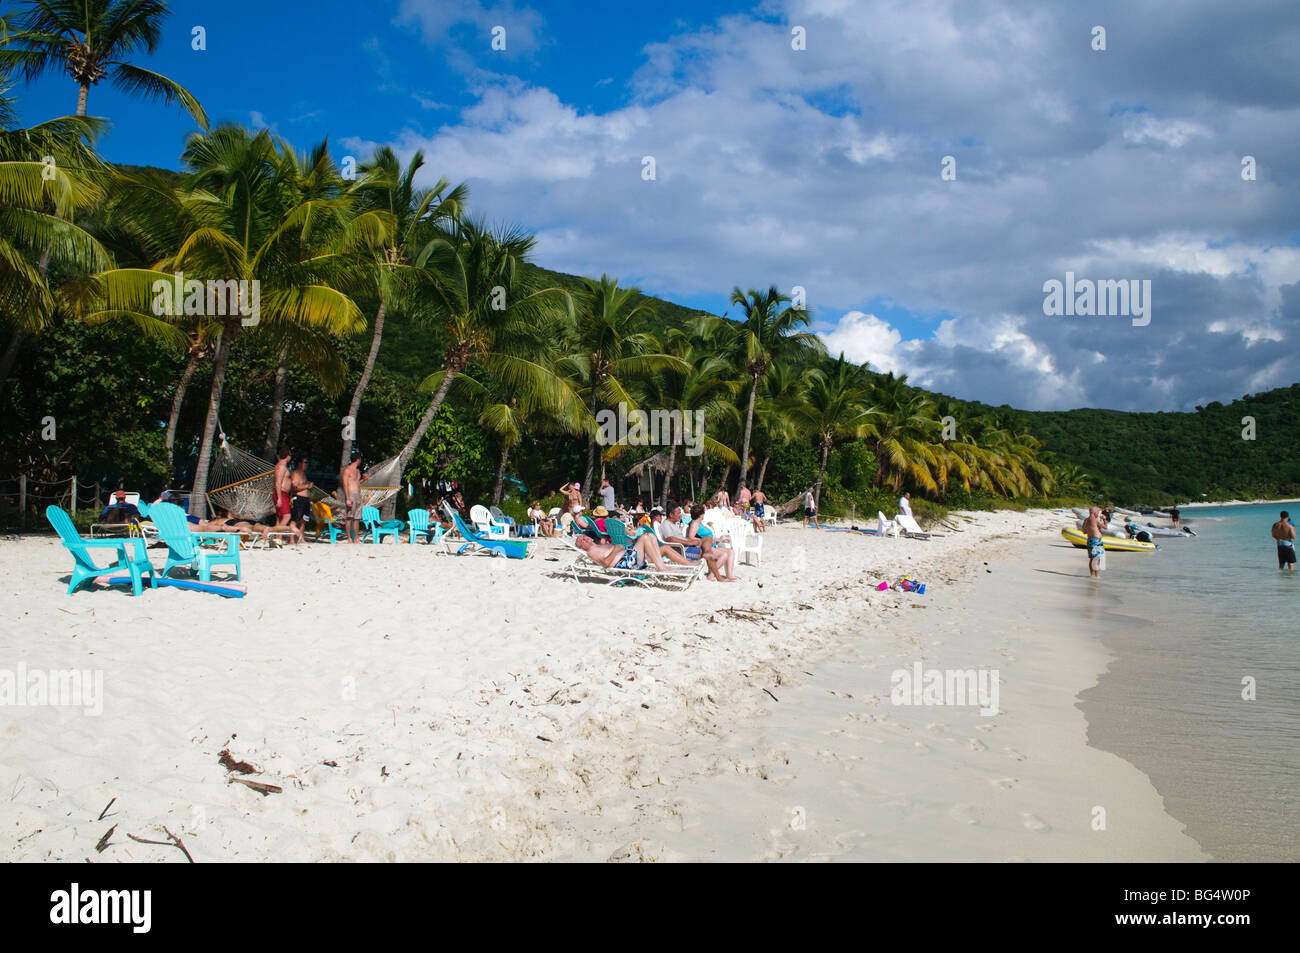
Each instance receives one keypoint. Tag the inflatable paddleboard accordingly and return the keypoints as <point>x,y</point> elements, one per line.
<point>1109,543</point>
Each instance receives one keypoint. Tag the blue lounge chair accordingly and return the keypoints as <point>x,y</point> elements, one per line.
<point>184,546</point>
<point>477,542</point>
<point>131,554</point>
<point>378,528</point>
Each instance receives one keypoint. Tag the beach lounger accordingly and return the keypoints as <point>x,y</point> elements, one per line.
<point>184,546</point>
<point>490,545</point>
<point>130,553</point>
<point>909,527</point>
<point>673,577</point>
<point>378,528</point>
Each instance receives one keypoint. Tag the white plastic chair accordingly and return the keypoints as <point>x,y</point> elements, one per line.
<point>885,527</point>
<point>744,540</point>
<point>483,524</point>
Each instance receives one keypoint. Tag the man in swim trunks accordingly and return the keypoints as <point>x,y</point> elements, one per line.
<point>280,494</point>
<point>810,509</point>
<point>643,553</point>
<point>1284,533</point>
<point>1092,530</point>
<point>300,486</point>
<point>350,490</point>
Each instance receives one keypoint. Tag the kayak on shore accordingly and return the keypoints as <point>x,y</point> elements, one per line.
<point>1111,544</point>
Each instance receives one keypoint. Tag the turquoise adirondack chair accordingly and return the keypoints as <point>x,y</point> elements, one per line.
<point>184,546</point>
<point>417,522</point>
<point>131,555</point>
<point>617,532</point>
<point>378,528</point>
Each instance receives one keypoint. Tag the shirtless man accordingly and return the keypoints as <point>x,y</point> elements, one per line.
<point>574,493</point>
<point>1092,530</point>
<point>1284,533</point>
<point>350,490</point>
<point>644,552</point>
<point>282,486</point>
<point>300,487</point>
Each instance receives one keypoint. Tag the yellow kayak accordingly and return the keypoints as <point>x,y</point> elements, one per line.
<point>1110,543</point>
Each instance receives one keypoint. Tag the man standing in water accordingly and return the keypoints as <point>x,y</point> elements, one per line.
<point>1284,533</point>
<point>1092,530</point>
<point>350,489</point>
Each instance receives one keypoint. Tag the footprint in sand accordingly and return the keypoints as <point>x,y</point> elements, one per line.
<point>919,746</point>
<point>1034,823</point>
<point>1013,754</point>
<point>985,727</point>
<point>936,726</point>
<point>1002,784</point>
<point>976,745</point>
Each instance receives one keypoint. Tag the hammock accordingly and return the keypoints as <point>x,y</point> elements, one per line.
<point>382,482</point>
<point>245,484</point>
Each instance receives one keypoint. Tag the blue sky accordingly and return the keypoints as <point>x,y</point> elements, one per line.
<point>821,167</point>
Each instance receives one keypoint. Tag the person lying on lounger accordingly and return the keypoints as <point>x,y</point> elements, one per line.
<point>223,522</point>
<point>645,552</point>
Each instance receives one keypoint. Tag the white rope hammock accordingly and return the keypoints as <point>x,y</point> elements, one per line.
<point>382,482</point>
<point>245,484</point>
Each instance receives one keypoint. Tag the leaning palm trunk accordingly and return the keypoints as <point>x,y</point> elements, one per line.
<point>501,475</point>
<point>179,399</point>
<point>762,472</point>
<point>277,406</point>
<point>668,474</point>
<point>817,497</point>
<point>426,421</point>
<point>354,408</point>
<point>744,451</point>
<point>11,354</point>
<point>198,494</point>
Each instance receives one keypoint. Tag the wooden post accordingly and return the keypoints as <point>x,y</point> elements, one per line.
<point>22,501</point>
<point>97,506</point>
<point>73,499</point>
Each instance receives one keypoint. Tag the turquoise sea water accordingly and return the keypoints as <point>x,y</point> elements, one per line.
<point>1188,624</point>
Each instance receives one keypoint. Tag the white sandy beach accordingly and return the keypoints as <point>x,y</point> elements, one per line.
<point>422,707</point>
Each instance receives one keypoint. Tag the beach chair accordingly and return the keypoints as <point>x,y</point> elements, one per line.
<point>184,546</point>
<point>379,528</point>
<point>500,519</point>
<point>489,545</point>
<point>130,553</point>
<point>322,519</point>
<point>483,523</point>
<point>909,527</point>
<point>583,524</point>
<point>744,540</point>
<point>417,522</point>
<point>672,577</point>
<point>617,532</point>
<point>885,527</point>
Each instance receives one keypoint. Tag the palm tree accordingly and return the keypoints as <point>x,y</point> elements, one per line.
<point>244,217</point>
<point>91,40</point>
<point>834,409</point>
<point>766,333</point>
<point>904,436</point>
<point>701,383</point>
<point>774,423</point>
<point>489,309</point>
<point>38,202</point>
<point>609,349</point>
<point>418,215</point>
